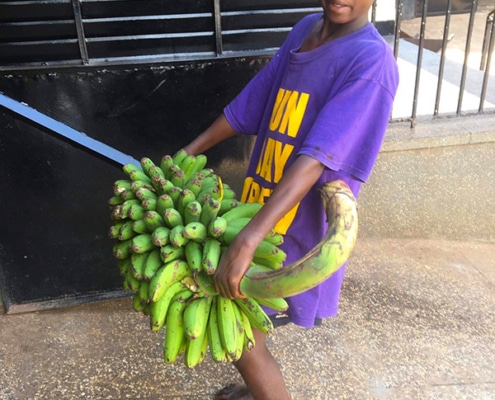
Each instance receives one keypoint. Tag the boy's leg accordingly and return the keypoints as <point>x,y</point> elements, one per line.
<point>261,373</point>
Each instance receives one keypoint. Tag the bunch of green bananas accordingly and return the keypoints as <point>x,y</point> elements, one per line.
<point>172,222</point>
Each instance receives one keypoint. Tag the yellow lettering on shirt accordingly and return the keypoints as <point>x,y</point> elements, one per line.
<point>288,112</point>
<point>287,115</point>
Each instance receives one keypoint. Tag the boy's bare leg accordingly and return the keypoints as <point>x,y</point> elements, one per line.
<point>261,373</point>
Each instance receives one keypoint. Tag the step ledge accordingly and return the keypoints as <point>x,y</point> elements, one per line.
<point>440,132</point>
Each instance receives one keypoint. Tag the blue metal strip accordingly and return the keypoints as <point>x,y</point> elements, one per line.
<point>66,131</point>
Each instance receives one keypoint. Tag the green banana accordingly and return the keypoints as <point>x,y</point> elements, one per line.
<point>199,163</point>
<point>171,272</point>
<point>243,210</point>
<point>128,195</point>
<point>179,156</point>
<point>128,168</point>
<point>122,249</point>
<point>149,204</point>
<point>136,211</point>
<point>227,205</point>
<point>217,351</point>
<point>137,304</point>
<point>115,201</point>
<point>211,255</point>
<point>153,263</point>
<point>174,193</point>
<point>209,211</point>
<point>174,334</point>
<point>217,227</point>
<point>159,309</point>
<point>275,303</point>
<point>172,217</point>
<point>249,340</point>
<point>144,292</point>
<point>227,326</point>
<point>146,165</point>
<point>165,163</point>
<point>120,185</point>
<point>160,236</point>
<point>178,178</point>
<point>139,176</point>
<point>192,212</point>
<point>195,231</point>
<point>193,252</point>
<point>125,207</point>
<point>170,253</point>
<point>195,351</point>
<point>152,220</point>
<point>139,227</point>
<point>257,316</point>
<point>138,263</point>
<point>142,243</point>
<point>196,316</point>
<point>163,202</point>
<point>185,197</point>
<point>113,231</point>
<point>176,237</point>
<point>164,186</point>
<point>270,252</point>
<point>241,334</point>
<point>323,260</point>
<point>144,193</point>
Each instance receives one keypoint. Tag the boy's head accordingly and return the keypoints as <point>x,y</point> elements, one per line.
<point>347,12</point>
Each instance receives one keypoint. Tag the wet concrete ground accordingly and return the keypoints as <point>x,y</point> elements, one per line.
<point>417,321</point>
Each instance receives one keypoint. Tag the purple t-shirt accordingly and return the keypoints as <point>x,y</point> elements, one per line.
<point>333,104</point>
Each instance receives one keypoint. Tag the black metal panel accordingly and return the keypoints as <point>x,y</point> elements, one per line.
<point>231,5</point>
<point>123,8</point>
<point>54,218</point>
<point>253,40</point>
<point>53,245</point>
<point>234,21</point>
<point>38,30</point>
<point>151,45</point>
<point>147,26</point>
<point>40,51</point>
<point>35,10</point>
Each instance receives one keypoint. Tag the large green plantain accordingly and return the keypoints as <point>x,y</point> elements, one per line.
<point>320,262</point>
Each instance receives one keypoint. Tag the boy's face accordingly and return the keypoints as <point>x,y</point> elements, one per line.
<point>352,12</point>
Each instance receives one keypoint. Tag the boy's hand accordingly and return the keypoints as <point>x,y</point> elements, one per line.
<point>232,267</point>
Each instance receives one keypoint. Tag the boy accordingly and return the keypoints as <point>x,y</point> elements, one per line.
<point>319,111</point>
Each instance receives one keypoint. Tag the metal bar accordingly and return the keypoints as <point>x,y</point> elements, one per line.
<point>44,121</point>
<point>489,18</point>
<point>218,27</point>
<point>76,5</point>
<point>442,56</point>
<point>419,62</point>
<point>467,50</point>
<point>398,20</point>
<point>373,12</point>
<point>487,67</point>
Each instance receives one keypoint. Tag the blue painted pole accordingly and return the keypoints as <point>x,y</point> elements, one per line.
<point>66,131</point>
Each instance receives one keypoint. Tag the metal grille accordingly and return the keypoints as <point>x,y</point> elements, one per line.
<point>48,34</point>
<point>99,32</point>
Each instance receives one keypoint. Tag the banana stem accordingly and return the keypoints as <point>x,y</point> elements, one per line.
<point>320,262</point>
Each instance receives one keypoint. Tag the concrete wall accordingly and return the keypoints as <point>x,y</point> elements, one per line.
<point>434,181</point>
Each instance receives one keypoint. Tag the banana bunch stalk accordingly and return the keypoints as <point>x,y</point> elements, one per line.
<point>320,262</point>
<point>172,221</point>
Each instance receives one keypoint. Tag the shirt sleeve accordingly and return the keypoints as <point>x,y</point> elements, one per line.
<point>349,129</point>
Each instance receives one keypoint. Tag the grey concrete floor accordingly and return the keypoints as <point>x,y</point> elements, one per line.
<point>417,321</point>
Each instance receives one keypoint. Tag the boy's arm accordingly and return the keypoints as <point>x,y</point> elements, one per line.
<point>294,185</point>
<point>217,132</point>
